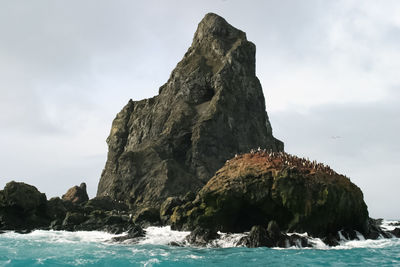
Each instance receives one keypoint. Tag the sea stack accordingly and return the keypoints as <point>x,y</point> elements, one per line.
<point>211,108</point>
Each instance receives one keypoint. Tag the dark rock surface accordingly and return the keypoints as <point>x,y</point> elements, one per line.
<point>396,232</point>
<point>375,231</point>
<point>167,208</point>
<point>201,236</point>
<point>100,214</point>
<point>258,237</point>
<point>134,233</point>
<point>76,194</point>
<point>255,188</point>
<point>105,204</point>
<point>211,107</point>
<point>272,237</point>
<point>22,206</point>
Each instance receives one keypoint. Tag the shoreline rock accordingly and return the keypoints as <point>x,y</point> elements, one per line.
<point>255,188</point>
<point>23,209</point>
<point>103,214</point>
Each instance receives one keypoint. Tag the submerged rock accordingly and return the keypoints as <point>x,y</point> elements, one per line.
<point>134,233</point>
<point>396,232</point>
<point>375,231</point>
<point>258,237</point>
<point>271,236</point>
<point>201,236</point>
<point>211,107</point>
<point>255,188</point>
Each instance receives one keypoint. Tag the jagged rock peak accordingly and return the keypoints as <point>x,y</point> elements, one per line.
<point>217,49</point>
<point>213,26</point>
<point>211,107</point>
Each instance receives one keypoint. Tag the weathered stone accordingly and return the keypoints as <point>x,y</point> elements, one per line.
<point>374,229</point>
<point>22,206</point>
<point>147,217</point>
<point>56,208</point>
<point>256,188</point>
<point>331,240</point>
<point>211,107</point>
<point>76,194</point>
<point>167,207</point>
<point>258,237</point>
<point>190,196</point>
<point>134,233</point>
<point>105,203</point>
<point>296,240</point>
<point>396,232</point>
<point>73,219</point>
<point>201,236</point>
<point>273,230</point>
<point>349,234</point>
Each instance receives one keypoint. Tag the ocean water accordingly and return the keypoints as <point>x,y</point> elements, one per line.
<point>59,248</point>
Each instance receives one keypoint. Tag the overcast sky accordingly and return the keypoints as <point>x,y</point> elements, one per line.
<point>330,72</point>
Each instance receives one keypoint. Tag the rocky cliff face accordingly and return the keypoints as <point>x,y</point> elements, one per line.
<point>211,107</point>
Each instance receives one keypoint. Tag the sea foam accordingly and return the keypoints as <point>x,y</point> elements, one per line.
<point>166,236</point>
<point>61,236</point>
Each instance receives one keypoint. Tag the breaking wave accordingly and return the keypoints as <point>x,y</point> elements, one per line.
<point>166,236</point>
<point>164,247</point>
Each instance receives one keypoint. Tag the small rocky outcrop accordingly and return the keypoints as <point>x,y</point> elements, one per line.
<point>22,206</point>
<point>201,236</point>
<point>258,237</point>
<point>133,235</point>
<point>259,187</point>
<point>375,231</point>
<point>100,214</point>
<point>76,194</point>
<point>396,232</point>
<point>211,107</point>
<point>271,236</point>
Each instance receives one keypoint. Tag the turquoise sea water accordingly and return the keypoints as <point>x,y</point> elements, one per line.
<point>48,248</point>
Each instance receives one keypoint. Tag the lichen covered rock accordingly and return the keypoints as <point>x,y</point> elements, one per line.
<point>256,188</point>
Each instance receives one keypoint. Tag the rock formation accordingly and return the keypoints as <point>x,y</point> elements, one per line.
<point>22,206</point>
<point>256,188</point>
<point>76,194</point>
<point>211,107</point>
